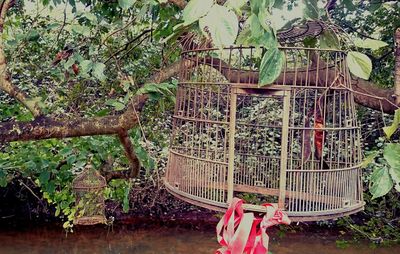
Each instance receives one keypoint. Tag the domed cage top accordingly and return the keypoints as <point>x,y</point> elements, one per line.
<point>295,142</point>
<point>89,188</point>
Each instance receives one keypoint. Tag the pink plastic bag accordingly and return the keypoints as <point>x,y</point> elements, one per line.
<point>244,233</point>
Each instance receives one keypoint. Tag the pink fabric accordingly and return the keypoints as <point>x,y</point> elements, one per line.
<point>244,233</point>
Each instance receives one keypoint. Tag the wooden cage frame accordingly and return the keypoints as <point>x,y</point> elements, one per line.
<point>295,142</point>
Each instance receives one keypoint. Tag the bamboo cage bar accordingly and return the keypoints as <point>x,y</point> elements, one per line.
<point>296,142</point>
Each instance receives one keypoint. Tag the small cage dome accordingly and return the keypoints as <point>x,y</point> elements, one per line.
<point>295,142</point>
<point>88,187</point>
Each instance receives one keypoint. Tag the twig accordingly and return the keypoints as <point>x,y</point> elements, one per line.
<point>116,31</point>
<point>29,189</point>
<point>370,95</point>
<point>140,42</point>
<point>63,24</point>
<point>127,44</point>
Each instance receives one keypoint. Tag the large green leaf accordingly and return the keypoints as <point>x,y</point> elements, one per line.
<point>271,66</point>
<point>349,5</point>
<point>391,154</point>
<point>260,36</point>
<point>221,24</point>
<point>370,43</point>
<point>329,40</point>
<point>390,130</point>
<point>244,37</point>
<point>359,64</point>
<point>83,30</point>
<point>98,71</point>
<point>86,67</point>
<point>125,4</point>
<point>369,159</point>
<point>196,9</point>
<point>381,182</point>
<point>311,9</point>
<point>235,4</point>
<point>258,6</point>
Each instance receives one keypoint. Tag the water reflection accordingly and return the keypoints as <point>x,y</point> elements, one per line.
<point>159,240</point>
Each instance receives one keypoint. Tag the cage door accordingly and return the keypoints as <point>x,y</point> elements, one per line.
<point>258,137</point>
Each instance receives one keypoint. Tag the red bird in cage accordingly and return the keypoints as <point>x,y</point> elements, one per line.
<point>319,137</point>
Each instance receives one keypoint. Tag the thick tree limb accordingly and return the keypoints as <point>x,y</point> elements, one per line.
<point>45,127</point>
<point>365,93</point>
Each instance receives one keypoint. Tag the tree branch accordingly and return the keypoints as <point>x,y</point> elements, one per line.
<point>45,127</point>
<point>5,83</point>
<point>130,154</point>
<point>366,93</point>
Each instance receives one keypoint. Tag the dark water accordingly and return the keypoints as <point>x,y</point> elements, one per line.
<point>159,240</point>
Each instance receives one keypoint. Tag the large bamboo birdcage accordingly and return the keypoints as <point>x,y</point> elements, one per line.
<point>295,142</point>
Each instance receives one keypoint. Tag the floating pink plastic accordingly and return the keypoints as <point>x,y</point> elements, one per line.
<point>244,233</point>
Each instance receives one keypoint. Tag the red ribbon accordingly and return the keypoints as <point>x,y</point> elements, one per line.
<point>244,233</point>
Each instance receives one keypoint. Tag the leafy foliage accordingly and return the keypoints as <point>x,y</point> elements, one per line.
<point>359,64</point>
<point>271,65</point>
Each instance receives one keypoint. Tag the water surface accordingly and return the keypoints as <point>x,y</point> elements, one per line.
<point>160,240</point>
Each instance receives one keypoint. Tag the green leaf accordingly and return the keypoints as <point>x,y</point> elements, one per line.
<point>44,177</point>
<point>271,66</point>
<point>244,37</point>
<point>311,9</point>
<point>33,35</point>
<point>221,24</point>
<point>86,67</point>
<point>369,43</point>
<point>263,17</point>
<point>255,27</point>
<point>279,4</point>
<point>125,201</point>
<point>390,130</point>
<point>381,182</point>
<point>3,178</point>
<point>126,4</point>
<point>391,154</point>
<point>98,71</point>
<point>260,5</point>
<point>83,30</point>
<point>369,159</point>
<point>235,4</point>
<point>69,63</point>
<point>349,5</point>
<point>259,35</point>
<point>359,64</point>
<point>90,16</point>
<point>33,102</point>
<point>329,40</point>
<point>196,9</point>
<point>116,104</point>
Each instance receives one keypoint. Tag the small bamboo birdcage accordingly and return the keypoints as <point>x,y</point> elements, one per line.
<point>89,188</point>
<point>295,142</point>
